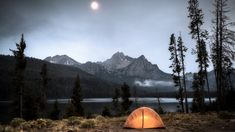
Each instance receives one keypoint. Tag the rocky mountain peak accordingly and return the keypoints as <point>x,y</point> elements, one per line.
<point>142,57</point>
<point>117,61</point>
<point>119,65</point>
<point>118,55</point>
<point>61,59</point>
<point>141,67</point>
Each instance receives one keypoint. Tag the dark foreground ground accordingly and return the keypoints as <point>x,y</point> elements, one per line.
<point>174,122</point>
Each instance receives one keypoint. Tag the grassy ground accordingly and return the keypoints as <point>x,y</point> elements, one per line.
<point>209,122</point>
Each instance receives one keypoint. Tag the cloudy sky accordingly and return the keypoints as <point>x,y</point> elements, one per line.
<point>71,27</point>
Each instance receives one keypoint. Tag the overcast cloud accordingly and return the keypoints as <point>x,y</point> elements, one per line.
<point>70,27</point>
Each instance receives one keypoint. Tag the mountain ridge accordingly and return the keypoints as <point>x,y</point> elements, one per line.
<point>135,71</point>
<point>61,79</point>
<point>121,68</point>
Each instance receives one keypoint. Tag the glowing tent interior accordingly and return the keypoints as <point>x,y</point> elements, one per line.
<point>144,117</point>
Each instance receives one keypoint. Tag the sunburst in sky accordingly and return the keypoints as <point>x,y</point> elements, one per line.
<point>94,5</point>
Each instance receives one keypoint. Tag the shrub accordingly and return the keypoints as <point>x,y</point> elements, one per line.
<point>73,120</point>
<point>100,122</point>
<point>26,125</point>
<point>1,128</point>
<point>39,123</point>
<point>17,122</point>
<point>89,123</point>
<point>8,129</point>
<point>100,118</point>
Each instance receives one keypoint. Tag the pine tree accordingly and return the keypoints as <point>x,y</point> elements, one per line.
<point>196,16</point>
<point>222,48</point>
<point>176,69</point>
<point>19,78</point>
<point>181,49</point>
<point>197,96</point>
<point>71,110</point>
<point>116,105</point>
<point>125,95</point>
<point>206,62</point>
<point>215,52</point>
<point>77,98</point>
<point>25,103</point>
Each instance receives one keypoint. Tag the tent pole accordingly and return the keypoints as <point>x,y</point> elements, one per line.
<point>142,118</point>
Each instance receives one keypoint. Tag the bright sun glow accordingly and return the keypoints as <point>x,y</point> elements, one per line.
<point>94,5</point>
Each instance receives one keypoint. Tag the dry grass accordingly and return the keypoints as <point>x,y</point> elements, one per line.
<point>173,122</point>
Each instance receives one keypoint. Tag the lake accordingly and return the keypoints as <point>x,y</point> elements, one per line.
<point>96,105</point>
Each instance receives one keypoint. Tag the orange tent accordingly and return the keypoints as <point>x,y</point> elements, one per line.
<point>144,117</point>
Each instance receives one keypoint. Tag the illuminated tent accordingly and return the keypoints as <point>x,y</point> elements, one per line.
<point>144,117</point>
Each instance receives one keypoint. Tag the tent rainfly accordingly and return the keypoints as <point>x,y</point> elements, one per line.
<point>144,117</point>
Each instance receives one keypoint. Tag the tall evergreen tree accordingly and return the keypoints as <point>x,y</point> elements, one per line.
<point>125,95</point>
<point>71,110</point>
<point>25,104</point>
<point>75,106</point>
<point>182,49</point>
<point>197,96</point>
<point>176,69</point>
<point>196,21</point>
<point>206,63</point>
<point>19,78</point>
<point>77,97</point>
<point>223,49</point>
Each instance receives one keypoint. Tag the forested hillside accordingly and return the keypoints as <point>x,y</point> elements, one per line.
<point>61,79</point>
